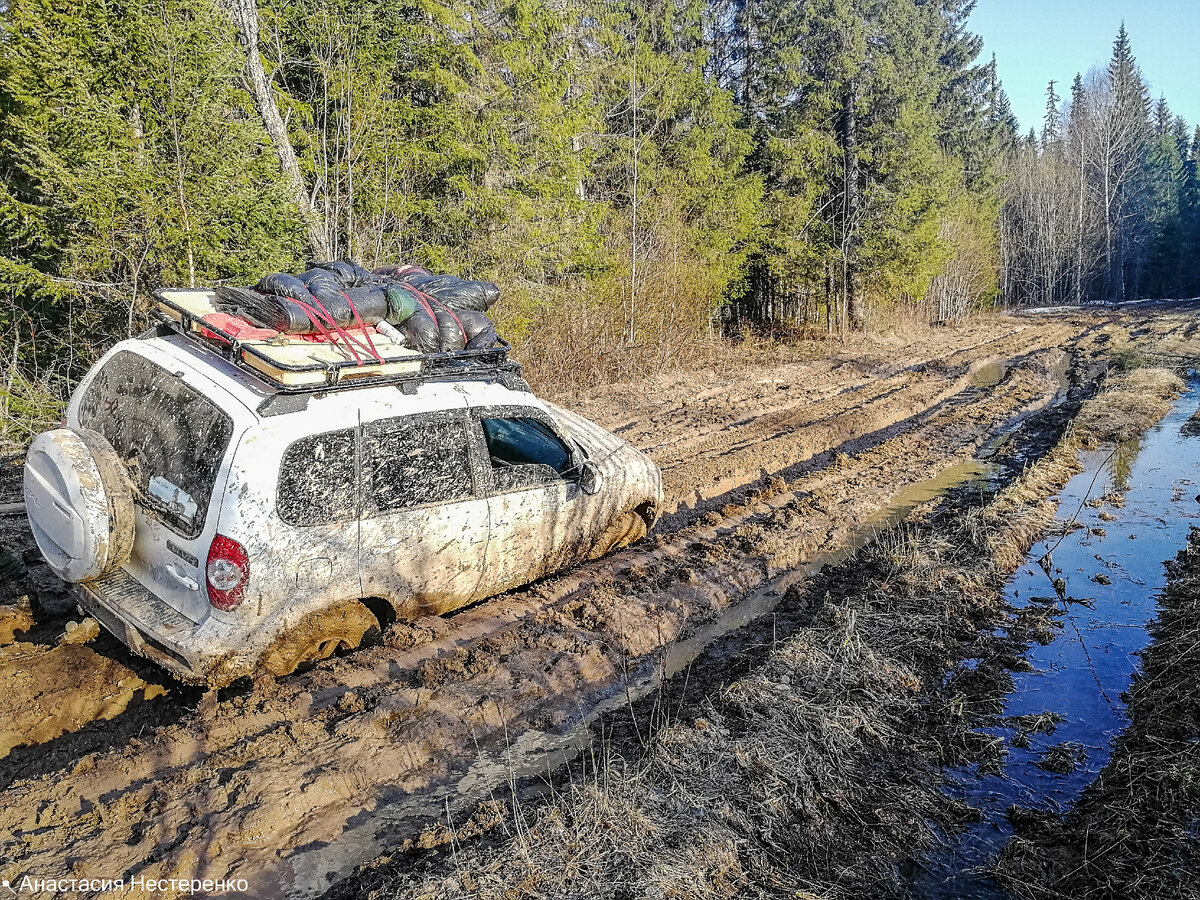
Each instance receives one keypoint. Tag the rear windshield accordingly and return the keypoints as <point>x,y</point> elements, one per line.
<point>171,437</point>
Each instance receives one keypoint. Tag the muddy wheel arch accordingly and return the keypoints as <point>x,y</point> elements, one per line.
<point>624,530</point>
<point>318,635</point>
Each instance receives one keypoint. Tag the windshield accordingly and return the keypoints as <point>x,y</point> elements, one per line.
<point>170,436</point>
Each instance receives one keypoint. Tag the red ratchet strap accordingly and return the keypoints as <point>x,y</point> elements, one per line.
<point>366,334</point>
<point>314,316</point>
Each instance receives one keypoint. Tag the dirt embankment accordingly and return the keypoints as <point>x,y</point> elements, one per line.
<point>768,472</point>
<point>1134,831</point>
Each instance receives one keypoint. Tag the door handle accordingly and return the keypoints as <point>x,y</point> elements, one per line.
<point>178,574</point>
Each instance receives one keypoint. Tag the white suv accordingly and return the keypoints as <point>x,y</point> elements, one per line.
<point>221,526</point>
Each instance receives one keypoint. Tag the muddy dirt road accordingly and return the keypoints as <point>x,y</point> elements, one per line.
<point>109,769</point>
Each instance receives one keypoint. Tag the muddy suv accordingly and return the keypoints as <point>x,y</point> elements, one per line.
<point>221,527</point>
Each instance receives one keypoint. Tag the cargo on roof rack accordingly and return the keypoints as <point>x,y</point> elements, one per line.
<point>292,364</point>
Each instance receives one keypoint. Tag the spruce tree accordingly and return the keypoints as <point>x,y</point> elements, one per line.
<point>1166,177</point>
<point>130,159</point>
<point>1052,121</point>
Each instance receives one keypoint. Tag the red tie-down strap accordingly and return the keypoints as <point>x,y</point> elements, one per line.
<point>319,312</point>
<point>315,315</point>
<point>362,327</point>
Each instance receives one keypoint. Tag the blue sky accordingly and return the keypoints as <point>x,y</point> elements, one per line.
<point>1036,41</point>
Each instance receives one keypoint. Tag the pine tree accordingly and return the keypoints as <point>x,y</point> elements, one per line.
<point>1052,121</point>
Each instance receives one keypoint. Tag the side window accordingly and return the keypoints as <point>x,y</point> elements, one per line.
<point>525,452</point>
<point>171,436</point>
<point>409,463</point>
<point>316,480</point>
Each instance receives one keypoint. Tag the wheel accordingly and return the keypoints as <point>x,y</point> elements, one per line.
<point>318,636</point>
<point>623,531</point>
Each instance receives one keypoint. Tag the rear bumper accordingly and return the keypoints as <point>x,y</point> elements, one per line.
<point>159,633</point>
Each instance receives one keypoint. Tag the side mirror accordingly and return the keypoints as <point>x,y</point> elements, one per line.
<point>590,479</point>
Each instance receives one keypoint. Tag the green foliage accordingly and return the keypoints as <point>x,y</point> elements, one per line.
<point>871,119</point>
<point>130,159</point>
<point>620,168</point>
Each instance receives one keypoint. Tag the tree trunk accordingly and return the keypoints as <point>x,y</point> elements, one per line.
<point>853,202</point>
<point>1079,228</point>
<point>245,18</point>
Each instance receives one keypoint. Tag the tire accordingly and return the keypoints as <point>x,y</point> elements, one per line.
<point>624,530</point>
<point>318,636</point>
<point>79,501</point>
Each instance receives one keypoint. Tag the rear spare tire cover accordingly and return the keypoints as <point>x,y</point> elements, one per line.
<point>79,502</point>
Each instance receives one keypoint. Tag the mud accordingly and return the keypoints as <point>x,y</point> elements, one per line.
<point>15,619</point>
<point>44,694</point>
<point>811,769</point>
<point>292,785</point>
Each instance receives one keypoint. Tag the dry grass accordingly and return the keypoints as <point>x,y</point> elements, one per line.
<point>572,343</point>
<point>1131,402</point>
<point>1179,347</point>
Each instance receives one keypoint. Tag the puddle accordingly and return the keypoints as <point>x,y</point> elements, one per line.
<point>1071,702</point>
<point>989,374</point>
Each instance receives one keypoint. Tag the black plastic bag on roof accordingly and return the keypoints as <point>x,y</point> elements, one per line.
<point>348,273</point>
<point>450,331</point>
<point>283,285</point>
<point>318,275</point>
<point>322,284</point>
<point>421,333</point>
<point>485,339</point>
<point>369,302</point>
<point>400,271</point>
<point>272,310</point>
<point>474,323</point>
<point>457,293</point>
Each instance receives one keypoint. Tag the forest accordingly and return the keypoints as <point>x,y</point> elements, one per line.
<point>636,176</point>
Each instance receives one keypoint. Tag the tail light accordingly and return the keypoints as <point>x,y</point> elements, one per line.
<point>227,572</point>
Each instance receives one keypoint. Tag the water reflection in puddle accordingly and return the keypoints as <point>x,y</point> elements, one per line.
<point>1062,716</point>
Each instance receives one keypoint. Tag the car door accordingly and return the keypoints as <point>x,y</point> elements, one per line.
<point>425,521</point>
<point>533,496</point>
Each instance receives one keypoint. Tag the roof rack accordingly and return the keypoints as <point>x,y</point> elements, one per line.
<point>289,365</point>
